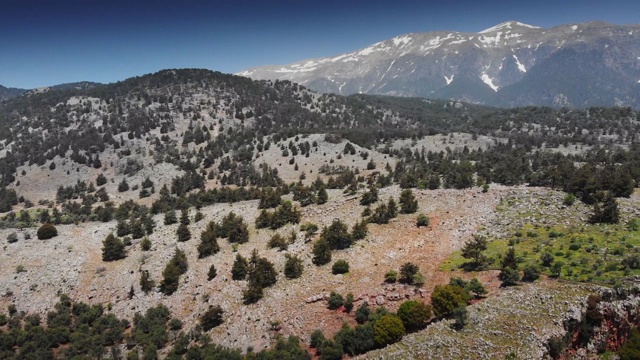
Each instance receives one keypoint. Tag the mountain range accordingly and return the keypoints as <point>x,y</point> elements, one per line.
<point>8,93</point>
<point>510,64</point>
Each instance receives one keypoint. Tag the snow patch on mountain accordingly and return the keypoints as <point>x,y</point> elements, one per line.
<point>489,81</point>
<point>404,40</point>
<point>389,68</point>
<point>520,66</point>
<point>574,27</point>
<point>456,42</point>
<point>449,80</point>
<point>297,68</point>
<point>507,25</point>
<point>488,40</point>
<point>350,58</point>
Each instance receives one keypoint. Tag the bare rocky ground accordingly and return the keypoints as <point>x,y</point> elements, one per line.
<point>71,263</point>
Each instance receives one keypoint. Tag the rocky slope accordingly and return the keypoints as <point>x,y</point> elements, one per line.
<point>71,263</point>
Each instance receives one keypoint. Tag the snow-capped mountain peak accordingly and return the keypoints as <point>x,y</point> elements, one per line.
<point>508,25</point>
<point>512,63</point>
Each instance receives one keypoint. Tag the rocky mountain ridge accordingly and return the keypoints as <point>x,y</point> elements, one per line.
<point>510,64</point>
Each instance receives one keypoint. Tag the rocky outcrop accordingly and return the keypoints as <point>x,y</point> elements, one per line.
<point>616,314</point>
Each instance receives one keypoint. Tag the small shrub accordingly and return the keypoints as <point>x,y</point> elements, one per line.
<point>348,303</point>
<point>340,267</point>
<point>418,279</point>
<point>569,199</point>
<point>335,301</point>
<point>277,241</point>
<point>574,247</point>
<point>633,224</point>
<point>317,339</point>
<point>47,231</point>
<point>460,318</point>
<point>509,277</point>
<point>309,229</point>
<point>363,312</point>
<point>211,318</point>
<point>407,271</point>
<point>422,220</point>
<point>530,274</point>
<point>12,238</point>
<point>391,276</point>
<point>145,244</point>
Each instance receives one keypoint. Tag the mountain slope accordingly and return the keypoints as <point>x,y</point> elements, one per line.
<point>486,67</point>
<point>8,93</point>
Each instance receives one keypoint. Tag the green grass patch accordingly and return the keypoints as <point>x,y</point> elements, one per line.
<point>601,254</point>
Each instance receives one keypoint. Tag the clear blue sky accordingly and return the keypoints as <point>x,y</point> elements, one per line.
<point>47,42</point>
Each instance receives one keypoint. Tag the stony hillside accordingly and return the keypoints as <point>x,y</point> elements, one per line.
<point>158,186</point>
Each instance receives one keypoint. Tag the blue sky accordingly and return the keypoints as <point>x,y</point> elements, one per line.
<point>48,42</point>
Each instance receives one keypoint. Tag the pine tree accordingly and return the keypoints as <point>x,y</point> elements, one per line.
<point>408,202</point>
<point>170,217</point>
<point>321,252</point>
<point>183,233</point>
<point>212,273</point>
<point>123,228</point>
<point>146,283</point>
<point>509,268</point>
<point>392,209</point>
<point>261,271</point>
<point>239,268</point>
<point>607,212</point>
<point>293,267</point>
<point>322,197</point>
<point>171,278</point>
<point>473,250</point>
<point>112,249</point>
<point>123,186</point>
<point>359,230</point>
<point>337,235</point>
<point>137,231</point>
<point>101,180</point>
<point>179,259</point>
<point>208,244</point>
<point>370,196</point>
<point>184,217</point>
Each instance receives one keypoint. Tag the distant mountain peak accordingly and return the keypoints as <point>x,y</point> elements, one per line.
<point>510,64</point>
<point>508,25</point>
